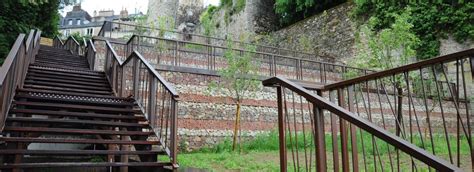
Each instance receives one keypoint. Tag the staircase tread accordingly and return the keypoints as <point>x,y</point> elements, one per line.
<point>103,88</point>
<point>44,72</point>
<point>75,114</point>
<point>67,89</point>
<point>94,80</point>
<point>85,164</point>
<point>79,152</point>
<point>66,81</point>
<point>72,99</point>
<point>91,72</point>
<point>76,131</point>
<point>74,94</point>
<point>71,106</point>
<point>75,121</point>
<point>83,141</point>
<point>62,67</point>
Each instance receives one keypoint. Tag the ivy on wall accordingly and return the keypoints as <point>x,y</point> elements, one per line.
<point>432,20</point>
<point>291,11</point>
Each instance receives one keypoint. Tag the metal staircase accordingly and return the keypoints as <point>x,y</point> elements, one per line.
<point>66,115</point>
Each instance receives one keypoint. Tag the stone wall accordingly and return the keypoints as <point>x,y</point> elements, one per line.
<point>184,14</point>
<point>256,17</point>
<point>205,118</point>
<point>331,34</point>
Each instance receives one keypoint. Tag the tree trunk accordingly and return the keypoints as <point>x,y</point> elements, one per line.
<point>399,127</point>
<point>236,126</point>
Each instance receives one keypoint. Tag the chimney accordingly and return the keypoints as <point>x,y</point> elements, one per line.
<point>76,7</point>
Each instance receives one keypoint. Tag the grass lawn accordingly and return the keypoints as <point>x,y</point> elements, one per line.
<point>230,161</point>
<point>262,154</point>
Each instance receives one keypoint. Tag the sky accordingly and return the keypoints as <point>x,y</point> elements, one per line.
<point>131,5</point>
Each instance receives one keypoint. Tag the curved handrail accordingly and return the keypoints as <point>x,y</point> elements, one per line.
<point>405,146</point>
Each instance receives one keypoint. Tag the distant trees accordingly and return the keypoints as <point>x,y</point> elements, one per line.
<point>21,16</point>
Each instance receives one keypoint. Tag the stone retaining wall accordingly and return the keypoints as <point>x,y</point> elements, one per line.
<point>205,117</point>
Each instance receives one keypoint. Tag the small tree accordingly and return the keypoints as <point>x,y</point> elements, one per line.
<point>239,78</point>
<point>386,49</point>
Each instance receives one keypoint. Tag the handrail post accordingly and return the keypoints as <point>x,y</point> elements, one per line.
<point>174,134</point>
<point>152,98</point>
<point>274,69</point>
<point>319,137</point>
<point>136,72</point>
<point>281,130</point>
<point>343,130</point>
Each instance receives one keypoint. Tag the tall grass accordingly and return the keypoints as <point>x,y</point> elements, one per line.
<point>270,142</point>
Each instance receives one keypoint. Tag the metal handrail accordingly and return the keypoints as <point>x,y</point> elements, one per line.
<point>71,44</point>
<point>426,98</point>
<point>150,93</point>
<point>13,71</point>
<point>321,103</point>
<point>401,69</point>
<point>297,66</point>
<point>259,46</point>
<point>90,53</point>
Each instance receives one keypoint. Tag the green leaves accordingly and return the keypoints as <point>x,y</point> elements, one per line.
<point>291,11</point>
<point>388,48</point>
<point>431,20</point>
<point>239,77</point>
<point>20,16</point>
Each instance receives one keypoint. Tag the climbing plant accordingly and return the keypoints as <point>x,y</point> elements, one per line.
<point>207,21</point>
<point>387,48</point>
<point>431,20</point>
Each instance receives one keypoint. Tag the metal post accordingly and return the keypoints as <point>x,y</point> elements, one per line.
<point>319,137</point>
<point>343,128</point>
<point>281,130</point>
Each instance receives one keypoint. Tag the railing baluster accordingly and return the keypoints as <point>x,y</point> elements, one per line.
<point>281,130</point>
<point>319,138</point>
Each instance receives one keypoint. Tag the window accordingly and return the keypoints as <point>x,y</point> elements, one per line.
<point>70,22</point>
<point>90,31</point>
<point>68,32</point>
<point>78,22</point>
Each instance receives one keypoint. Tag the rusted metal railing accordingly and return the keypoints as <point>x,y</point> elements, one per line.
<point>71,44</point>
<point>169,52</point>
<point>90,53</point>
<point>428,103</point>
<point>126,30</point>
<point>304,145</point>
<point>13,71</point>
<point>136,77</point>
